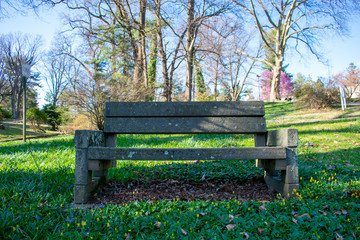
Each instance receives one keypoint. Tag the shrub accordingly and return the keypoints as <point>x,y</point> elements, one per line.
<point>4,114</point>
<point>36,118</point>
<point>80,122</point>
<point>319,94</point>
<point>53,116</point>
<point>265,83</point>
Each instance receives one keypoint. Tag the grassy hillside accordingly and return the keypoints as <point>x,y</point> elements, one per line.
<point>37,177</point>
<point>13,131</point>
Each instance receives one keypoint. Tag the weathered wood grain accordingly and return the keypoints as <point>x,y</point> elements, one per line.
<point>184,109</point>
<point>165,125</point>
<point>107,153</point>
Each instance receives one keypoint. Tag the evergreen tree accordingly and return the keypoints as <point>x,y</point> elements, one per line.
<point>199,81</point>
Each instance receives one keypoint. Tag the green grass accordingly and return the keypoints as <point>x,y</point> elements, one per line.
<point>13,131</point>
<point>284,113</point>
<point>36,195</point>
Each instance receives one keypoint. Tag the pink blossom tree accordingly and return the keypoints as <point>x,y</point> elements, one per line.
<point>265,85</point>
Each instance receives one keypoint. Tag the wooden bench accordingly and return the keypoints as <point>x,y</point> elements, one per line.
<point>96,151</point>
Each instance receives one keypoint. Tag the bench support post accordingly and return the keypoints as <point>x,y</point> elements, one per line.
<point>289,178</point>
<point>85,183</point>
<point>101,175</point>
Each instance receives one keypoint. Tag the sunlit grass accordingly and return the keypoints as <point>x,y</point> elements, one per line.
<point>13,131</point>
<point>37,177</point>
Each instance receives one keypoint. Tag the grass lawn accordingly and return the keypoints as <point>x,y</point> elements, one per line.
<point>13,131</point>
<point>37,177</point>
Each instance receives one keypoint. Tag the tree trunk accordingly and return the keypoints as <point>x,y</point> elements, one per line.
<point>275,83</point>
<point>142,43</point>
<point>190,50</point>
<point>216,76</point>
<point>13,105</point>
<point>167,82</point>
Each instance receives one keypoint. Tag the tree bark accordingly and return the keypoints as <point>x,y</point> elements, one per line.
<point>190,50</point>
<point>275,84</point>
<point>142,43</point>
<point>167,81</point>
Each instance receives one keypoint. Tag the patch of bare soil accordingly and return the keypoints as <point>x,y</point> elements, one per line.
<point>183,190</point>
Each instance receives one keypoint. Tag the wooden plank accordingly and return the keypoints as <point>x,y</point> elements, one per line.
<point>104,153</point>
<point>184,109</point>
<point>165,125</point>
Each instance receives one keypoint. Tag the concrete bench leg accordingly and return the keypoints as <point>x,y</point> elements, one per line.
<point>85,185</point>
<point>289,178</point>
<point>291,174</point>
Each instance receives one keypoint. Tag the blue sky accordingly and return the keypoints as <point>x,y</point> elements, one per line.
<point>339,51</point>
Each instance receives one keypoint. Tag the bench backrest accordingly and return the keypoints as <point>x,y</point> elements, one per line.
<point>184,117</point>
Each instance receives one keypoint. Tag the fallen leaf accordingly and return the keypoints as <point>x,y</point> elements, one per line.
<point>203,177</point>
<point>127,236</point>
<point>183,232</point>
<point>260,230</point>
<point>338,237</point>
<point>323,212</point>
<point>344,212</point>
<point>294,220</point>
<point>157,225</point>
<point>202,213</point>
<point>231,218</point>
<point>305,215</point>
<point>331,167</point>
<point>326,206</point>
<point>230,226</point>
<point>262,208</point>
<point>245,235</point>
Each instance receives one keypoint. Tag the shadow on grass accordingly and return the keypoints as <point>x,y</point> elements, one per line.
<point>353,128</point>
<point>13,131</point>
<point>350,112</point>
<point>275,110</point>
<point>32,186</point>
<point>58,181</point>
<point>37,145</point>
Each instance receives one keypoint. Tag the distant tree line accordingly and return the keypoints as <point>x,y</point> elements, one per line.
<point>157,50</point>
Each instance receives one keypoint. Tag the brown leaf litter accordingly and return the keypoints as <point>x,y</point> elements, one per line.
<point>183,190</point>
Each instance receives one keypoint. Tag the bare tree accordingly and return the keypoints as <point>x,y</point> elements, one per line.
<point>349,80</point>
<point>57,69</point>
<point>5,90</point>
<point>170,57</point>
<point>197,13</point>
<point>112,17</point>
<point>238,69</point>
<point>213,43</point>
<point>298,20</point>
<point>226,67</point>
<point>18,49</point>
<point>90,87</point>
<point>21,6</point>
